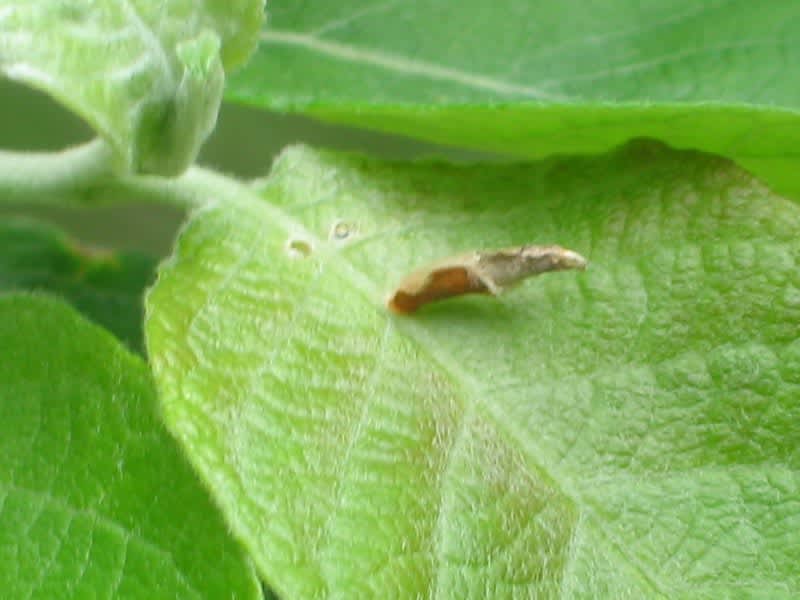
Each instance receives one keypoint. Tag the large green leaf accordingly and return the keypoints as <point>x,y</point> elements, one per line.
<point>97,501</point>
<point>627,432</point>
<point>105,286</point>
<point>146,74</point>
<point>533,78</point>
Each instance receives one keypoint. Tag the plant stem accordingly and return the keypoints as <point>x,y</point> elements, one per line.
<point>84,176</point>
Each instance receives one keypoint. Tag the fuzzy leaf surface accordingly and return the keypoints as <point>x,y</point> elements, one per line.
<point>147,75</point>
<point>627,432</point>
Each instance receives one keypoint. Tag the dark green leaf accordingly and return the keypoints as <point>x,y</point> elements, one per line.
<point>105,286</point>
<point>97,501</point>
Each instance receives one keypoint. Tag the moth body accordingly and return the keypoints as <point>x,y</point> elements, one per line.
<point>480,272</point>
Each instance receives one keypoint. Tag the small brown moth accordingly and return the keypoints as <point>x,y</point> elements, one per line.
<point>479,273</point>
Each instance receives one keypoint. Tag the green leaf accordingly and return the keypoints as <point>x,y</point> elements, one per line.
<point>105,286</point>
<point>534,78</point>
<point>626,432</point>
<point>146,74</point>
<point>97,502</point>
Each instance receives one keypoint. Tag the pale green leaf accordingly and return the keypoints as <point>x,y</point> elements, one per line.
<point>534,78</point>
<point>96,500</point>
<point>627,432</point>
<point>146,74</point>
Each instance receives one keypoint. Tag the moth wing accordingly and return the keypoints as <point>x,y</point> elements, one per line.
<point>437,284</point>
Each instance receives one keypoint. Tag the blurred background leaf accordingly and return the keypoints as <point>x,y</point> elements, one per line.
<point>536,78</point>
<point>106,286</point>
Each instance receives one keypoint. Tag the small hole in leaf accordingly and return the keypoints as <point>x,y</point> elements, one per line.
<point>341,230</point>
<point>298,248</point>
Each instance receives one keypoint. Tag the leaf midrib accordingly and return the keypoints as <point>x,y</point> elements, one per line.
<point>407,66</point>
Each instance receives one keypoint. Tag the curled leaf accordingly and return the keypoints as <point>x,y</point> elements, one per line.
<point>146,75</point>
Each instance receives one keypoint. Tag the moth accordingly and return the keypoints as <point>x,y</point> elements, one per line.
<point>479,272</point>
